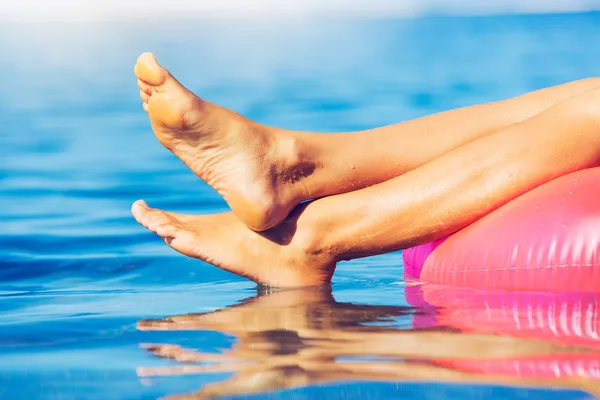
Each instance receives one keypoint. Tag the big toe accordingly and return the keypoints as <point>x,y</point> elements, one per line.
<point>139,210</point>
<point>155,220</point>
<point>149,70</point>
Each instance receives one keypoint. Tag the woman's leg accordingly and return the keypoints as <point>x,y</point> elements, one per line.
<point>264,172</point>
<point>351,161</point>
<point>424,204</point>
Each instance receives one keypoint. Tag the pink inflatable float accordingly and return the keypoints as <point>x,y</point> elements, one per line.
<point>547,239</point>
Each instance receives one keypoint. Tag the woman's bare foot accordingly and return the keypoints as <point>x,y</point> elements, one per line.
<point>285,256</point>
<point>256,171</point>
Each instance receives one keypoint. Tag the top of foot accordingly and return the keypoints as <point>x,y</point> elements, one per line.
<point>240,159</point>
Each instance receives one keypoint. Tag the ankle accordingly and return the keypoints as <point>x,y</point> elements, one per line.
<point>311,237</point>
<point>334,230</point>
<point>296,162</point>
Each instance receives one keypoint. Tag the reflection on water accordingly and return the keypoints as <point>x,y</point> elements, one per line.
<point>291,338</point>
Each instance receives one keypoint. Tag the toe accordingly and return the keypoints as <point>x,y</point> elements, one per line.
<point>165,99</point>
<point>144,87</point>
<point>149,71</point>
<point>144,96</point>
<point>158,221</point>
<point>139,210</point>
<point>152,77</point>
<point>165,227</point>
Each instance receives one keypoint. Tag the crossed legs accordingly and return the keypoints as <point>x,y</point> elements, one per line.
<point>387,189</point>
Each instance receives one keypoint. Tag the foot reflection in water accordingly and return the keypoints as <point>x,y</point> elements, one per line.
<point>295,338</point>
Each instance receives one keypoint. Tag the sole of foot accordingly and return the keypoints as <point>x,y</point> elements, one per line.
<point>256,169</point>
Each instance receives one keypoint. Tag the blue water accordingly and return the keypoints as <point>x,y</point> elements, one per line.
<point>91,301</point>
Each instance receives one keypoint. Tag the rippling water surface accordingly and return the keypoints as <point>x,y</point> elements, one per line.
<point>93,306</point>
